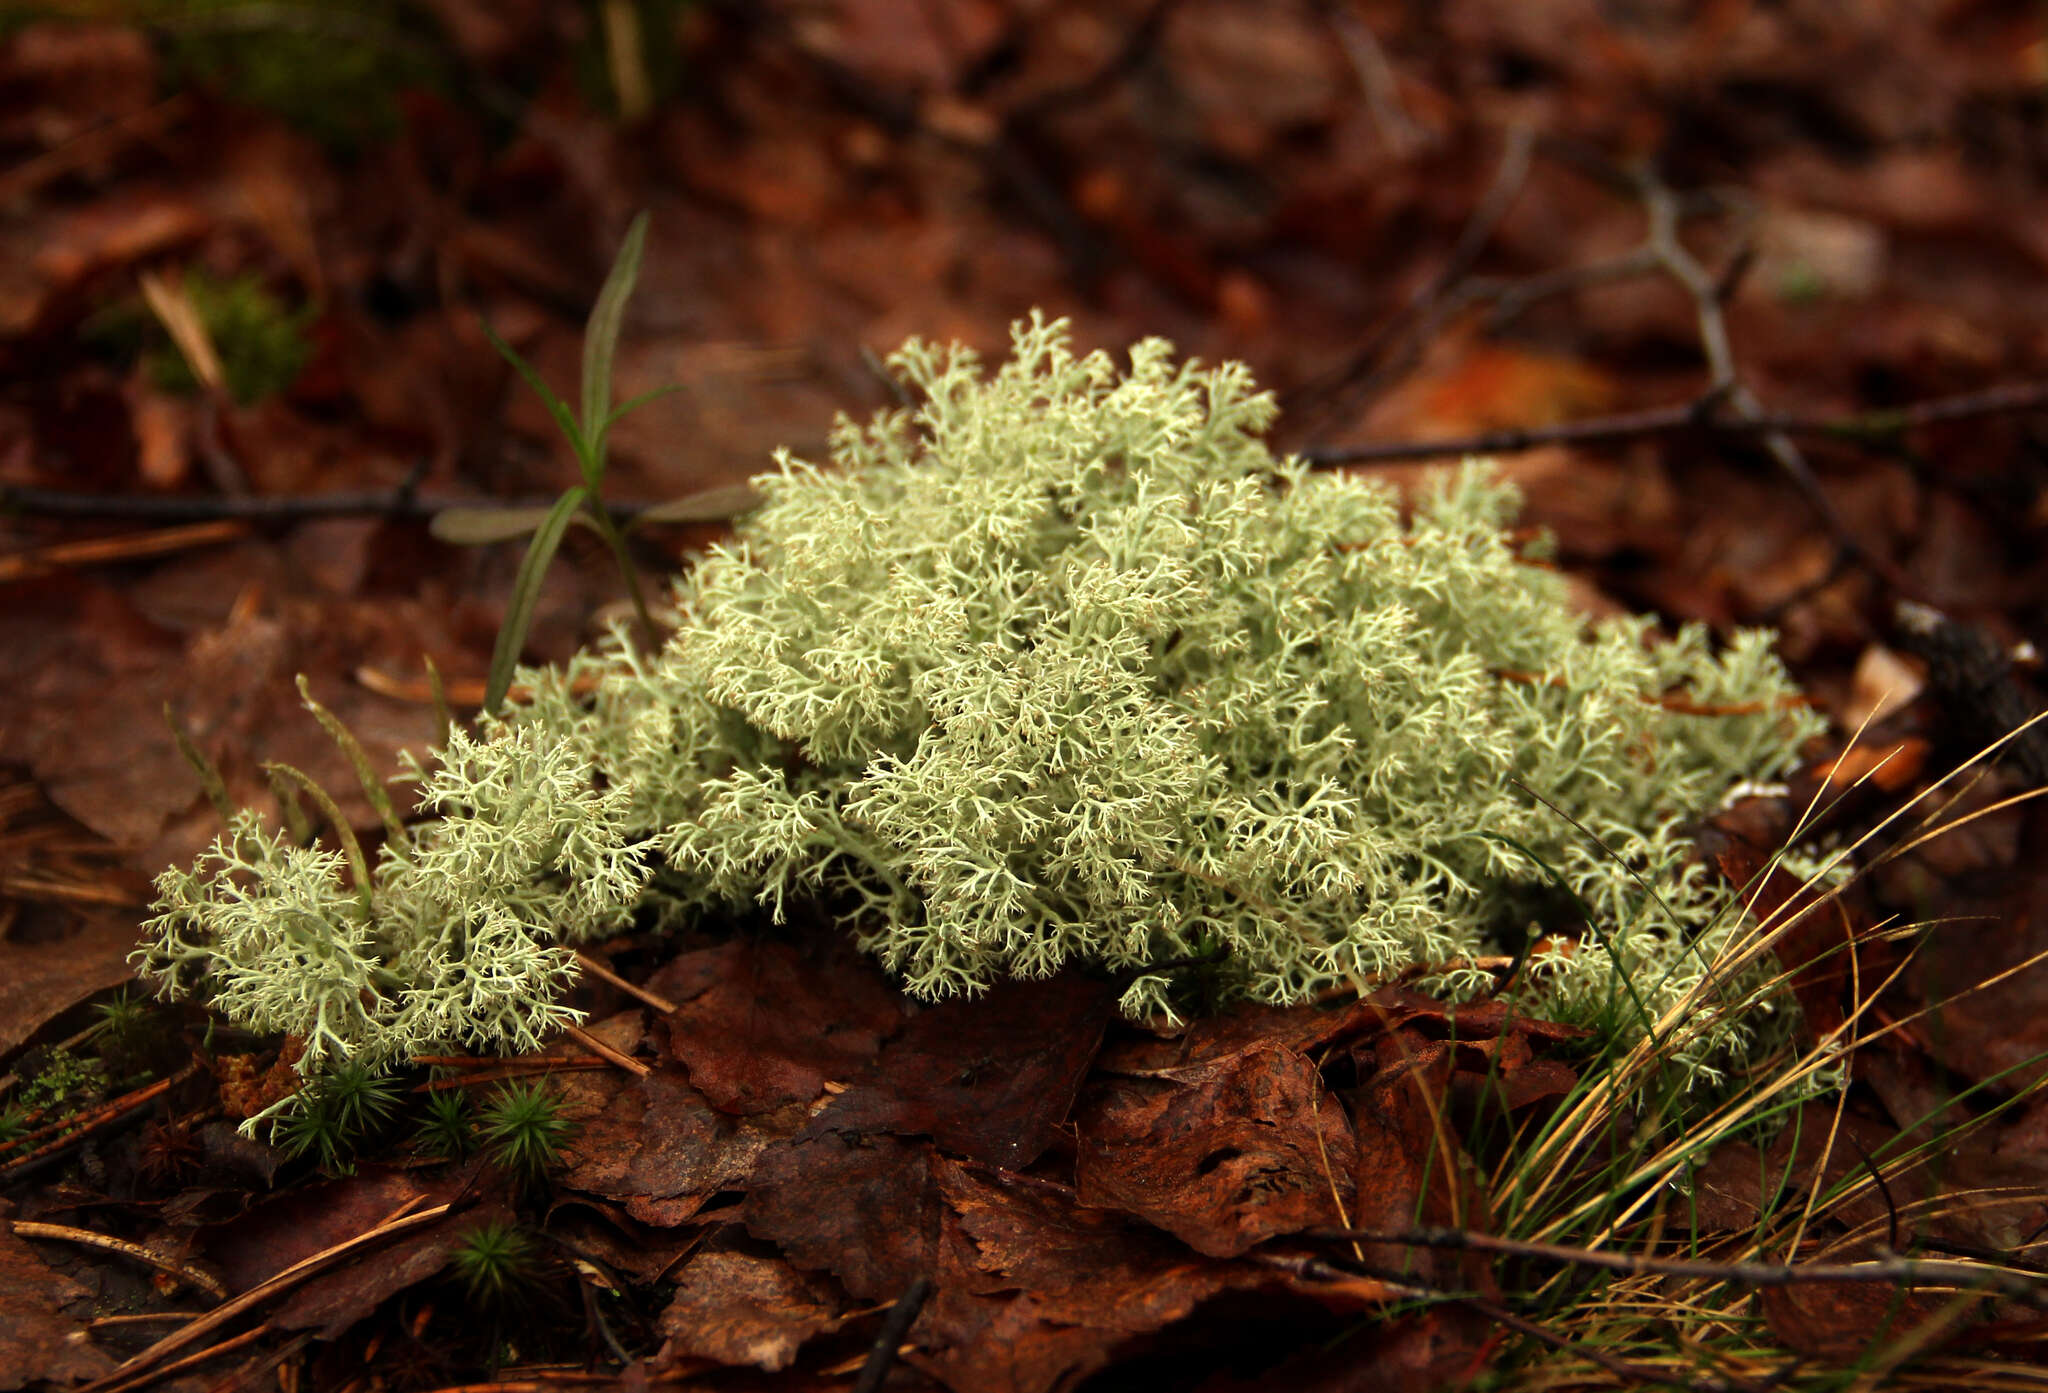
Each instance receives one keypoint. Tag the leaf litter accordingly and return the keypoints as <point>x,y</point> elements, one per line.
<point>1086,1199</point>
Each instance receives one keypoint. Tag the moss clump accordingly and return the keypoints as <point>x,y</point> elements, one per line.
<point>335,69</point>
<point>1062,667</point>
<point>260,340</point>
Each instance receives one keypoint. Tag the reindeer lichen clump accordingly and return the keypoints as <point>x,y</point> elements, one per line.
<point>1063,666</point>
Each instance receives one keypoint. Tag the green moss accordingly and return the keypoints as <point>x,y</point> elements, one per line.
<point>58,1082</point>
<point>333,68</point>
<point>1063,667</point>
<point>261,341</point>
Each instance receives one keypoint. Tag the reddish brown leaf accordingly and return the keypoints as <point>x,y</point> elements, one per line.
<point>865,1210</point>
<point>743,1308</point>
<point>604,1233</point>
<point>316,1217</point>
<point>48,267</point>
<point>991,1077</point>
<point>1841,1321</point>
<point>658,1147</point>
<point>38,1342</point>
<point>313,1218</point>
<point>1411,1168</point>
<point>1035,1292</point>
<point>1223,1154</point>
<point>1309,1029</point>
<point>46,979</point>
<point>762,1024</point>
<point>1728,1189</point>
<point>335,1301</point>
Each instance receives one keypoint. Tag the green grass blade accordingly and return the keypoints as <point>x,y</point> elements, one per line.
<point>206,769</point>
<point>628,407</point>
<point>602,522</point>
<point>533,569</point>
<point>444,719</point>
<point>359,760</point>
<point>600,340</point>
<point>350,847</point>
<point>720,504</point>
<point>557,408</point>
<point>477,527</point>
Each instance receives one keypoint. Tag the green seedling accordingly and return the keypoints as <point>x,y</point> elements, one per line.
<point>524,1130</point>
<point>337,1112</point>
<point>587,434</point>
<point>494,1260</point>
<point>444,1129</point>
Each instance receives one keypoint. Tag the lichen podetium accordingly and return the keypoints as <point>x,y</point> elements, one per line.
<point>1062,666</point>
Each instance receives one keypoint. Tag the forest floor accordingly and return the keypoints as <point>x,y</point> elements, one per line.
<point>1750,300</point>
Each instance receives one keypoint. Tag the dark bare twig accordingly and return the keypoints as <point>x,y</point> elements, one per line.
<point>1884,1189</point>
<point>1407,1286</point>
<point>1129,56</point>
<point>1376,80</point>
<point>1393,348</point>
<point>882,1355</point>
<point>1877,425</point>
<point>398,504</point>
<point>402,504</point>
<point>2021,1286</point>
<point>1708,291</point>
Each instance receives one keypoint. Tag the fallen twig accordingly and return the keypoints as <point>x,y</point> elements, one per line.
<point>123,1376</point>
<point>2028,1287</point>
<point>90,1238</point>
<point>1876,425</point>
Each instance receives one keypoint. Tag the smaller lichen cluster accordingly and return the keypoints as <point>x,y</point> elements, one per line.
<point>1062,667</point>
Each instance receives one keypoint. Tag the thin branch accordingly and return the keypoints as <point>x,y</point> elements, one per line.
<point>1377,81</point>
<point>1708,292</point>
<point>1877,425</point>
<point>604,1051</point>
<point>2030,1288</point>
<point>271,1286</point>
<point>882,1355</point>
<point>91,1238</point>
<point>1130,55</point>
<point>1393,348</point>
<point>399,504</point>
<point>603,973</point>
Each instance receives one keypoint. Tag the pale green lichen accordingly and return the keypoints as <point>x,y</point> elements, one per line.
<point>1061,667</point>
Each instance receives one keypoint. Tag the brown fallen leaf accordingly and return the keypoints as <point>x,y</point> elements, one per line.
<point>42,980</point>
<point>991,1078</point>
<point>314,1218</point>
<point>1035,1291</point>
<point>1411,1168</point>
<point>762,1024</point>
<point>1843,1321</point>
<point>39,1342</point>
<point>747,1308</point>
<point>661,1150</point>
<point>866,1210</point>
<point>1224,1154</point>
